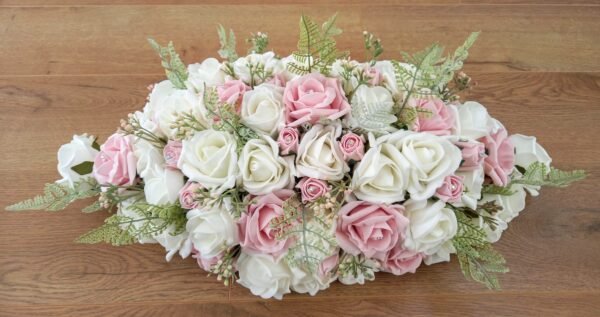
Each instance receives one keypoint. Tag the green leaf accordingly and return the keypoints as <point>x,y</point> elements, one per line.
<point>228,44</point>
<point>174,67</point>
<point>108,233</point>
<point>497,190</point>
<point>83,168</point>
<point>95,145</point>
<point>58,196</point>
<point>478,259</point>
<point>538,174</point>
<point>96,206</point>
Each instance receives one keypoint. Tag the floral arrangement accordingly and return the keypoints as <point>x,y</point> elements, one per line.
<point>288,173</point>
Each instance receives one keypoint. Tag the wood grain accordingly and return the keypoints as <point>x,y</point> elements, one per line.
<point>68,68</point>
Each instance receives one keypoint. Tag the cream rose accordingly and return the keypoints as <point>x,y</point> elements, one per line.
<point>388,75</point>
<point>149,157</point>
<point>210,158</point>
<point>528,151</point>
<point>431,159</point>
<point>264,276</point>
<point>245,68</point>
<point>77,151</point>
<point>319,155</point>
<point>382,175</point>
<point>472,186</point>
<point>262,109</point>
<point>211,231</point>
<point>207,73</point>
<point>162,185</point>
<point>262,170</point>
<point>431,225</point>
<point>474,122</point>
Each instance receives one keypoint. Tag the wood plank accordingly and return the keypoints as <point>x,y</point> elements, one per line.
<point>550,248</point>
<point>20,3</point>
<point>112,39</point>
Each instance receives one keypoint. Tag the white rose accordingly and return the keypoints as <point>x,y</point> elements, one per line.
<point>211,231</point>
<point>386,68</point>
<point>263,276</point>
<point>340,68</point>
<point>528,151</point>
<point>431,225</point>
<point>166,101</point>
<point>162,185</point>
<point>207,73</point>
<point>245,68</point>
<point>173,243</point>
<point>441,255</point>
<point>511,207</point>
<point>319,155</point>
<point>308,282</point>
<point>370,267</point>
<point>382,175</point>
<point>473,120</point>
<point>77,151</point>
<point>370,97</point>
<point>472,186</point>
<point>431,159</point>
<point>148,157</point>
<point>262,170</point>
<point>262,109</point>
<point>210,158</point>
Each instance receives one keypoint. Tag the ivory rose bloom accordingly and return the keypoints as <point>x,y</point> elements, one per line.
<point>440,119</point>
<point>451,189</point>
<point>115,164</point>
<point>500,159</point>
<point>431,159</point>
<point>171,153</point>
<point>319,155</point>
<point>352,146</point>
<point>162,185</point>
<point>210,158</point>
<point>313,97</point>
<point>231,91</point>
<point>267,61</point>
<point>262,170</point>
<point>148,157</point>
<point>382,175</point>
<point>473,120</point>
<point>528,151</point>
<point>431,225</point>
<point>264,276</point>
<point>312,188</point>
<point>288,140</point>
<point>255,232</point>
<point>207,73</point>
<point>370,229</point>
<point>262,109</point>
<point>77,151</point>
<point>211,230</point>
<point>472,185</point>
<point>399,261</point>
<point>388,76</point>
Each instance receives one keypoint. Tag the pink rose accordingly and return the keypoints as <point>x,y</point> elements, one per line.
<point>399,261</point>
<point>232,91</point>
<point>288,140</point>
<point>172,152</point>
<point>312,97</point>
<point>473,154</point>
<point>439,121</point>
<point>352,146</point>
<point>328,265</point>
<point>451,189</point>
<point>312,188</point>
<point>372,229</point>
<point>500,159</point>
<point>376,78</point>
<point>187,195</point>
<point>256,234</point>
<point>278,80</point>
<point>116,163</point>
<point>208,263</point>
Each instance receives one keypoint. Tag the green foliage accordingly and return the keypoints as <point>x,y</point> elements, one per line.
<point>312,232</point>
<point>485,211</point>
<point>409,115</point>
<point>497,190</point>
<point>258,43</point>
<point>226,118</point>
<point>185,124</point>
<point>83,168</point>
<point>538,174</point>
<point>356,266</point>
<point>376,117</point>
<point>478,259</point>
<point>316,47</point>
<point>372,46</point>
<point>228,44</point>
<point>58,196</point>
<point>96,206</point>
<point>142,220</point>
<point>171,62</point>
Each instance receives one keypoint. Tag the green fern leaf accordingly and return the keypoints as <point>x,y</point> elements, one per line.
<point>376,117</point>
<point>109,232</point>
<point>228,44</point>
<point>497,190</point>
<point>538,174</point>
<point>174,67</point>
<point>58,196</point>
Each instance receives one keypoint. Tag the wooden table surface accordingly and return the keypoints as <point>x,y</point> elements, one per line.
<point>74,66</point>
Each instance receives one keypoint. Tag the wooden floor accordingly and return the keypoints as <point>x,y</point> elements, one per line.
<point>74,66</point>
